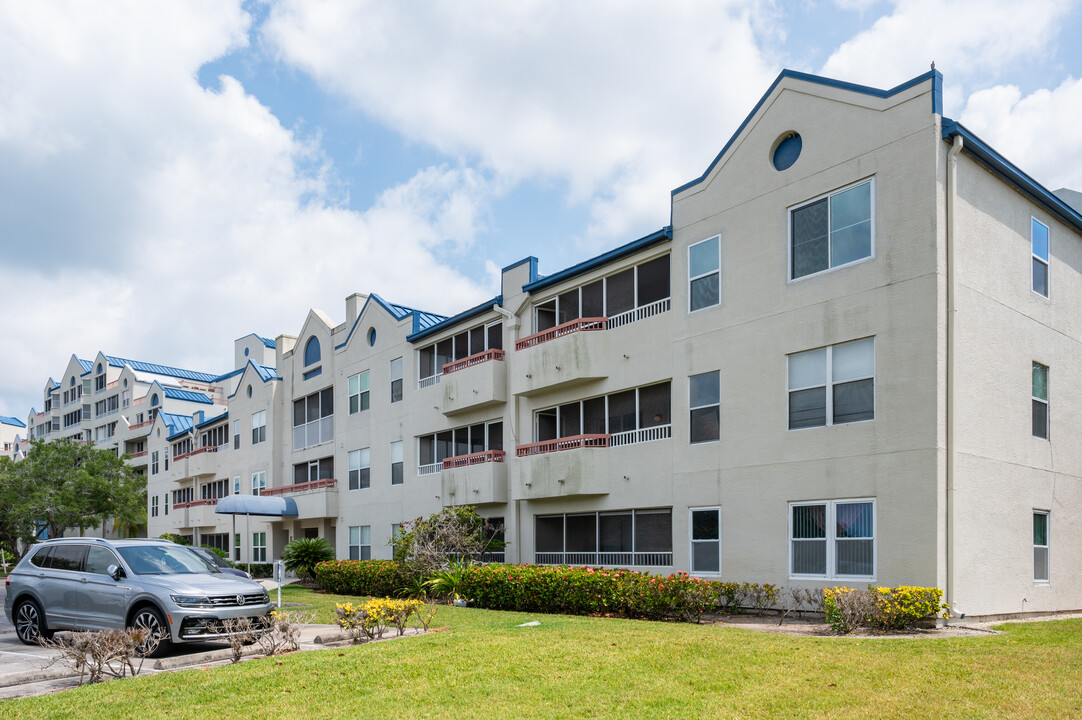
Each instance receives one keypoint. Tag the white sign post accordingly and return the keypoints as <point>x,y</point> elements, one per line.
<point>279,575</point>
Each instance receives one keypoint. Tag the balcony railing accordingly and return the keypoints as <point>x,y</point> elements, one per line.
<point>195,503</point>
<point>474,459</point>
<point>428,382</point>
<point>564,443</point>
<point>144,424</point>
<point>300,487</point>
<point>112,385</point>
<point>639,313</point>
<point>197,451</point>
<point>574,326</point>
<point>429,469</point>
<point>139,400</point>
<point>656,559</point>
<point>141,453</point>
<point>658,432</point>
<point>472,360</point>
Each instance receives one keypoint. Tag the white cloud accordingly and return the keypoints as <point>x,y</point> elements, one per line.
<point>1037,132</point>
<point>965,38</point>
<point>622,100</point>
<point>149,217</point>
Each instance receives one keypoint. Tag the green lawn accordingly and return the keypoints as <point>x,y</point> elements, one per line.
<point>483,666</point>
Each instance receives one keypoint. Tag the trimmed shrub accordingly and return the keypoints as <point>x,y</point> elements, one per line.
<point>882,608</point>
<point>375,578</point>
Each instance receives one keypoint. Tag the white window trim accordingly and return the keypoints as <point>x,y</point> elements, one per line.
<point>830,386</point>
<point>1047,263</point>
<point>692,541</point>
<point>789,231</point>
<point>831,540</point>
<point>1047,547</point>
<point>1046,401</point>
<point>706,274</point>
<point>700,407</point>
<point>351,395</point>
<point>262,477</point>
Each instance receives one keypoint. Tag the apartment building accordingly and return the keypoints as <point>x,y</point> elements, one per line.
<point>851,358</point>
<point>11,433</point>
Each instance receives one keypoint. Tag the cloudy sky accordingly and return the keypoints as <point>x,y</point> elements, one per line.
<point>176,175</point>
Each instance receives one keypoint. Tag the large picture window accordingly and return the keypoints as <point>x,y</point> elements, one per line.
<point>626,537</point>
<point>832,385</point>
<point>313,419</point>
<point>832,539</point>
<point>831,231</point>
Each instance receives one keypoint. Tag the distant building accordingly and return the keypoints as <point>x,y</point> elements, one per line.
<point>11,430</point>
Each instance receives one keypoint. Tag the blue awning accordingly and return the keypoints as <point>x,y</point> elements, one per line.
<point>257,505</point>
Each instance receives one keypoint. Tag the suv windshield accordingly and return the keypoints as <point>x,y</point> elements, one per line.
<point>164,560</point>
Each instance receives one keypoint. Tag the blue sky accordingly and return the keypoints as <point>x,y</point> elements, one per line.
<point>175,176</point>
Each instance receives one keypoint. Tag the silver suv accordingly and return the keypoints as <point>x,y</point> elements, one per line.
<point>93,584</point>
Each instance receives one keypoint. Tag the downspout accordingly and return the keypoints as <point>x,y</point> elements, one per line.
<point>952,191</point>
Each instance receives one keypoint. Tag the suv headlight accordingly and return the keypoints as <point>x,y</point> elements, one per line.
<point>266,596</point>
<point>191,601</point>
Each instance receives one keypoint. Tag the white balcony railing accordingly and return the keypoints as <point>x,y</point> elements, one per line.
<point>428,381</point>
<point>430,469</point>
<point>639,313</point>
<point>653,559</point>
<point>631,437</point>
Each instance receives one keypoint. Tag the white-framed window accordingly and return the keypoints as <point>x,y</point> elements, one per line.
<point>704,274</point>
<point>236,485</point>
<point>1040,401</point>
<point>704,399</point>
<point>236,547</point>
<point>396,380</point>
<point>832,385</point>
<point>832,539</point>
<point>358,393</point>
<point>259,547</point>
<point>259,427</point>
<point>236,434</point>
<point>396,462</point>
<point>313,419</point>
<point>1038,234</point>
<point>165,504</point>
<point>705,531</point>
<point>1040,546</point>
<point>259,482</point>
<point>154,462</point>
<point>360,542</point>
<point>153,506</point>
<point>360,465</point>
<point>833,230</point>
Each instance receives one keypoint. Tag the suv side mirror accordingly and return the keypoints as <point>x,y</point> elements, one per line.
<point>115,572</point>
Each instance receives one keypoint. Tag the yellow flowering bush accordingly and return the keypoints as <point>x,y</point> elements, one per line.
<point>882,608</point>
<point>373,618</point>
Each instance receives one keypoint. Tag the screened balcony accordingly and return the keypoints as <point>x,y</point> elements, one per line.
<point>618,538</point>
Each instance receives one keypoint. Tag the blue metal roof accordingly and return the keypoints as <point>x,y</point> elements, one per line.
<point>463,316</point>
<point>937,104</point>
<point>187,395</point>
<point>1006,170</point>
<point>88,365</point>
<point>178,424</point>
<point>266,372</point>
<point>421,319</point>
<point>8,420</point>
<point>268,342</point>
<point>228,375</point>
<point>211,421</point>
<point>662,235</point>
<point>156,369</point>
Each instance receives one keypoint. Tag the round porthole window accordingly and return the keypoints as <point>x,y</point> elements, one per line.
<point>371,337</point>
<point>245,352</point>
<point>787,150</point>
<point>249,391</point>
<point>125,382</point>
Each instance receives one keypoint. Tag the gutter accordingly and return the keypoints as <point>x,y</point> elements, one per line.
<point>952,355</point>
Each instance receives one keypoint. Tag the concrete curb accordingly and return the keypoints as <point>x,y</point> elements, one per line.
<point>33,676</point>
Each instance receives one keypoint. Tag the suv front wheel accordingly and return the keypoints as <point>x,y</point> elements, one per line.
<point>30,623</point>
<point>149,619</point>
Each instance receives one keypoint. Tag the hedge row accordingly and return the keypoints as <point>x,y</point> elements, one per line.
<point>372,578</point>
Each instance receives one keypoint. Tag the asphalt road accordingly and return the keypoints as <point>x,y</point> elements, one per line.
<point>5,626</point>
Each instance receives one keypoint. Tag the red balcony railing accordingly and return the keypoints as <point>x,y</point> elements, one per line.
<point>472,360</point>
<point>300,487</point>
<point>141,453</point>
<point>136,426</point>
<point>577,325</point>
<point>564,443</point>
<point>474,459</point>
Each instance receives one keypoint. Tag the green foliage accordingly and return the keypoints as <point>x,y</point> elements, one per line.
<point>454,533</point>
<point>881,608</point>
<point>303,554</point>
<point>217,551</point>
<point>380,578</point>
<point>448,582</point>
<point>258,570</point>
<point>373,618</point>
<point>173,537</point>
<point>63,485</point>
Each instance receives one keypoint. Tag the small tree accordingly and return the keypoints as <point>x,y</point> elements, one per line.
<point>453,534</point>
<point>303,554</point>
